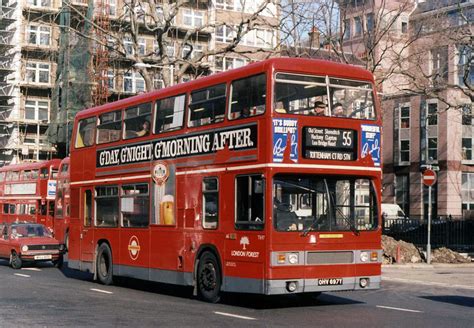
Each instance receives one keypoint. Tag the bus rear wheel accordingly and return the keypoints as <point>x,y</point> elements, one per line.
<point>209,278</point>
<point>104,264</point>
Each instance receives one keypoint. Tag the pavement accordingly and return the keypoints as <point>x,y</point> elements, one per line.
<point>457,276</point>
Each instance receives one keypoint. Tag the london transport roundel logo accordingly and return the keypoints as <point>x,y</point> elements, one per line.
<point>133,248</point>
<point>160,173</point>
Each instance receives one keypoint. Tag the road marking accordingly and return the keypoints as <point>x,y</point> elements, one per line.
<point>31,269</point>
<point>418,282</point>
<point>234,315</point>
<point>101,291</point>
<point>397,309</point>
<point>22,275</point>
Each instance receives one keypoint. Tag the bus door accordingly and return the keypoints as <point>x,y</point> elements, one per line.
<point>87,232</point>
<point>245,247</point>
<point>134,249</point>
<point>49,214</point>
<point>42,211</point>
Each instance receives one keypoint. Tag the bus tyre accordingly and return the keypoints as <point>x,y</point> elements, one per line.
<point>209,278</point>
<point>66,242</point>
<point>15,260</point>
<point>104,264</point>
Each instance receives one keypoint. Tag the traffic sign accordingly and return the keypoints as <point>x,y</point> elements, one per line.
<point>429,177</point>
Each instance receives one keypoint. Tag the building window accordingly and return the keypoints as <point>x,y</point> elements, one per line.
<point>404,27</point>
<point>467,149</point>
<point>192,52</point>
<point>370,22</point>
<point>128,45</point>
<point>433,149</point>
<point>347,29</point>
<point>210,203</point>
<point>37,110</point>
<point>405,151</point>
<point>158,82</point>
<point>111,79</point>
<point>133,82</point>
<point>467,115</point>
<point>37,72</point>
<point>39,35</point>
<point>402,192</point>
<point>357,26</point>
<point>141,46</point>
<point>439,65</point>
<point>432,115</point>
<point>464,65</point>
<point>404,117</point>
<point>225,33</point>
<point>112,7</point>
<point>193,18</point>
<point>467,192</point>
<point>229,4</point>
<point>259,38</point>
<point>226,63</point>
<point>40,3</point>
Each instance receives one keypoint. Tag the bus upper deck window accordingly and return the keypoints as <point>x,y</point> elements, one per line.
<point>207,106</point>
<point>34,174</point>
<point>110,125</point>
<point>85,132</point>
<point>248,97</point>
<point>137,121</point>
<point>169,113</point>
<point>2,176</point>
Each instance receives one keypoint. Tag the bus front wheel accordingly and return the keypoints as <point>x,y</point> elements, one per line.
<point>104,264</point>
<point>209,278</point>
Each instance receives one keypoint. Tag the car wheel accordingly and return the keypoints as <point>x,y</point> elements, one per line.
<point>15,260</point>
<point>104,264</point>
<point>209,278</point>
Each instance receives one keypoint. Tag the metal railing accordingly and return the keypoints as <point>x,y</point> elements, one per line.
<point>454,233</point>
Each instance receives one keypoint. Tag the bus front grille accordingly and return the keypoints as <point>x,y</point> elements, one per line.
<point>330,257</point>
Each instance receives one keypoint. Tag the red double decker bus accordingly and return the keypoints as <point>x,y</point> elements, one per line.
<point>28,191</point>
<point>265,179</point>
<point>62,203</point>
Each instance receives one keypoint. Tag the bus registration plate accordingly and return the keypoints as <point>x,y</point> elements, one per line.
<point>43,257</point>
<point>330,282</point>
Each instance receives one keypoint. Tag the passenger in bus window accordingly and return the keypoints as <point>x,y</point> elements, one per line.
<point>337,110</point>
<point>280,107</point>
<point>145,129</point>
<point>245,112</point>
<point>319,109</point>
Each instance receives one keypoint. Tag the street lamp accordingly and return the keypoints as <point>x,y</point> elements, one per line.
<point>146,65</point>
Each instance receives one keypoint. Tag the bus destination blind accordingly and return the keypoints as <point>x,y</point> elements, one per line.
<point>329,144</point>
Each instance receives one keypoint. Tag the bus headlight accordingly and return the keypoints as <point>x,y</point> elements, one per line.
<point>24,248</point>
<point>293,258</point>
<point>364,256</point>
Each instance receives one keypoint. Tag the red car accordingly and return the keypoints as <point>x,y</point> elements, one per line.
<point>29,242</point>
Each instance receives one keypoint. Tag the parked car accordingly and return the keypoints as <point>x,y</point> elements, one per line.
<point>29,242</point>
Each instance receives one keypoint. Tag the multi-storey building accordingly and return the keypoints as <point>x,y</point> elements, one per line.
<point>56,55</point>
<point>426,78</point>
<point>28,49</point>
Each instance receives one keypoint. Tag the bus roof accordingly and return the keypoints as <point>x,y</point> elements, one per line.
<point>303,65</point>
<point>30,166</point>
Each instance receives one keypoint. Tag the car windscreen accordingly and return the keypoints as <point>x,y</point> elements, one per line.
<point>29,230</point>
